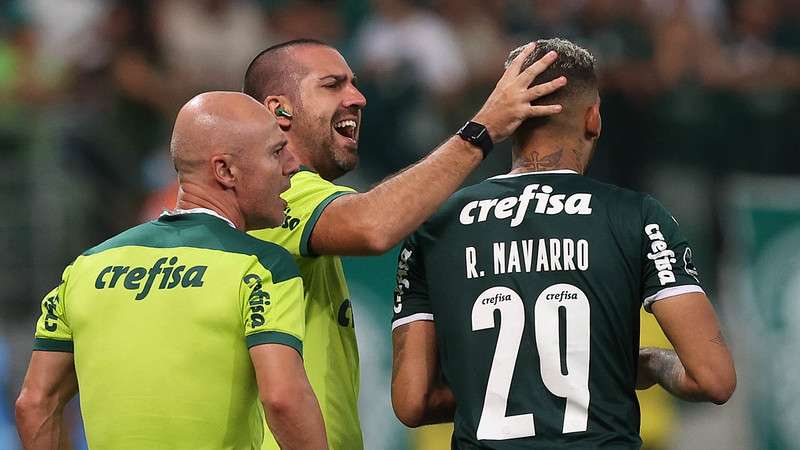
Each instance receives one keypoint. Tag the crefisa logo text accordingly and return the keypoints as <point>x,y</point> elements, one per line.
<point>514,208</point>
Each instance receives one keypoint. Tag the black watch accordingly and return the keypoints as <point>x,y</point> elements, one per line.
<point>477,135</point>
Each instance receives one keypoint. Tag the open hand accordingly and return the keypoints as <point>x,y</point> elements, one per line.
<point>510,103</point>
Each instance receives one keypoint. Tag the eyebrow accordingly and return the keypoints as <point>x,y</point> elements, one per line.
<point>339,78</point>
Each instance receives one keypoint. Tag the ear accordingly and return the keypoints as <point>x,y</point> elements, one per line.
<point>593,123</point>
<point>223,170</point>
<point>273,103</point>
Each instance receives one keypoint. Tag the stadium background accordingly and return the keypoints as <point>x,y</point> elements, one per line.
<point>701,104</point>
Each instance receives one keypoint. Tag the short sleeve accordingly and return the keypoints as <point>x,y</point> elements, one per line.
<point>668,268</point>
<point>411,302</point>
<point>273,312</point>
<point>52,329</point>
<point>306,199</point>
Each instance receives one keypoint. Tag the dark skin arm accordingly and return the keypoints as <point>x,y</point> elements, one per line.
<point>292,410</point>
<point>701,368</point>
<point>375,221</point>
<point>49,385</point>
<point>419,397</point>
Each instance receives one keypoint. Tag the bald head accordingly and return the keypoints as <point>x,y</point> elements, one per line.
<point>231,157</point>
<point>216,123</point>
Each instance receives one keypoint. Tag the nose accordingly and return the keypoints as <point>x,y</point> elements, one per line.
<point>355,98</point>
<point>290,164</point>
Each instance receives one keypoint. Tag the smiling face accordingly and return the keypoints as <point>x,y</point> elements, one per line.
<point>327,114</point>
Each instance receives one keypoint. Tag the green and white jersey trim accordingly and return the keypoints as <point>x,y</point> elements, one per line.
<point>412,318</point>
<point>541,172</point>
<point>178,211</point>
<point>668,293</point>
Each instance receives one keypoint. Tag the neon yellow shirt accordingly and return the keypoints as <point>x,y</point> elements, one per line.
<point>331,353</point>
<point>160,319</point>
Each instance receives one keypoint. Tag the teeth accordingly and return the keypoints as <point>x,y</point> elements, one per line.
<point>345,123</point>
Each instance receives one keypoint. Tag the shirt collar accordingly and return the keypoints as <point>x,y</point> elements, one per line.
<point>540,172</point>
<point>178,211</point>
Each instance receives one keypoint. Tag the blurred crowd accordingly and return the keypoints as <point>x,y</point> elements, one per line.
<point>89,88</point>
<point>692,92</point>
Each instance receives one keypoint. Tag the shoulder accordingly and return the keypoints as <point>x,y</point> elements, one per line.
<point>307,180</point>
<point>601,188</point>
<point>200,231</point>
<point>271,256</point>
<point>483,190</point>
<point>139,235</point>
<point>451,209</point>
<point>308,190</point>
<point>612,197</point>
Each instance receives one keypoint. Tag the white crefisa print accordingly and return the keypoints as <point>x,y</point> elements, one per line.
<point>544,200</point>
<point>660,254</point>
<point>557,304</point>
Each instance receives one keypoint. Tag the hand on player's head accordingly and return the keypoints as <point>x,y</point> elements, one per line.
<point>510,102</point>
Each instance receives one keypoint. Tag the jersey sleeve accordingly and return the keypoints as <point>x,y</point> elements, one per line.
<point>273,309</point>
<point>53,333</point>
<point>668,268</point>
<point>306,199</point>
<point>411,302</point>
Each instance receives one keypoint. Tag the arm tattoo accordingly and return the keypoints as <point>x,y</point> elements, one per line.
<point>719,339</point>
<point>669,372</point>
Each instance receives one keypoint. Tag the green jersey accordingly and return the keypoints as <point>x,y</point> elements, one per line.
<point>331,353</point>
<point>535,282</point>
<point>160,319</point>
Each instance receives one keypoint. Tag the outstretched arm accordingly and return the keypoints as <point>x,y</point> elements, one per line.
<point>292,410</point>
<point>375,221</point>
<point>419,397</point>
<point>49,384</point>
<point>701,368</point>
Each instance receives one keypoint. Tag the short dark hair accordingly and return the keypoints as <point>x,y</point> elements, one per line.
<point>271,70</point>
<point>573,62</point>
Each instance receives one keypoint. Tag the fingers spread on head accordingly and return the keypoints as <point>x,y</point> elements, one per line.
<point>544,110</point>
<point>516,65</point>
<point>540,90</point>
<point>538,67</point>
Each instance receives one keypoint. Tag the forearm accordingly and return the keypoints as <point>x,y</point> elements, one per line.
<point>419,394</point>
<point>49,384</point>
<point>375,221</point>
<point>663,367</point>
<point>404,201</point>
<point>297,423</point>
<point>41,427</point>
<point>440,406</point>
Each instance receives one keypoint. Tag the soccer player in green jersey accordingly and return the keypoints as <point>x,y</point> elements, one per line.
<point>517,306</point>
<point>173,330</point>
<point>311,90</point>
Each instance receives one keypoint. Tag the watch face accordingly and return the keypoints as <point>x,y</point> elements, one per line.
<point>476,134</point>
<point>472,130</point>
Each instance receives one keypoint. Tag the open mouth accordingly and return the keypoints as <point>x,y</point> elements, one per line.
<point>346,128</point>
